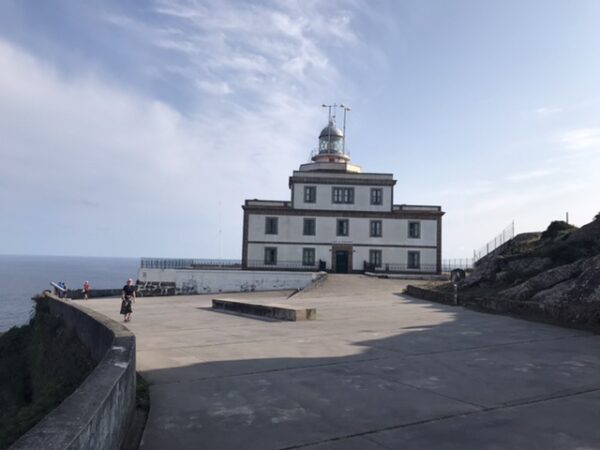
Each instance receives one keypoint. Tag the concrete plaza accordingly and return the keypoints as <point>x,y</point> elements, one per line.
<point>376,370</point>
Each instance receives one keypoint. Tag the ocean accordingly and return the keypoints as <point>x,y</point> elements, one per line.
<point>21,277</point>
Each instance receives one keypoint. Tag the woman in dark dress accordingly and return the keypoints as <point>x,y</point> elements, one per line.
<point>127,298</point>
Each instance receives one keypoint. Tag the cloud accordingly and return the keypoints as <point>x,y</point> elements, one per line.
<point>153,178</point>
<point>532,174</point>
<point>547,111</point>
<point>248,48</point>
<point>581,139</point>
<point>215,88</point>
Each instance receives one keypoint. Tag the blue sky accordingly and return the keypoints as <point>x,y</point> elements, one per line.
<point>138,129</point>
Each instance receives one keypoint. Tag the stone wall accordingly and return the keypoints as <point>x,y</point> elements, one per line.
<point>155,288</point>
<point>198,281</point>
<point>97,415</point>
<point>77,294</point>
<point>585,315</point>
<point>429,294</point>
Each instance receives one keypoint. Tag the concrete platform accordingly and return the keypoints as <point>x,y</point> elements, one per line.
<point>378,370</point>
<point>276,311</point>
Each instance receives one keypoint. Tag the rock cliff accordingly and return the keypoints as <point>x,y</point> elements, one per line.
<point>560,265</point>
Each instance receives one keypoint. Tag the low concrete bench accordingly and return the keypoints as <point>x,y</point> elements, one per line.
<point>274,311</point>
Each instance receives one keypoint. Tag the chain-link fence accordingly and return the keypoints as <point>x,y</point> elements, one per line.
<point>506,235</point>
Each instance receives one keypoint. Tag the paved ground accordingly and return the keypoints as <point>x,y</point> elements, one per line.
<point>377,370</point>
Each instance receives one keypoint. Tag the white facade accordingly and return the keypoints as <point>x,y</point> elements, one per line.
<point>195,281</point>
<point>340,219</point>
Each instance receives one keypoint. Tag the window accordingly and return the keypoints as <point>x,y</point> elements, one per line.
<point>414,229</point>
<point>342,227</point>
<point>308,256</point>
<point>375,228</point>
<point>376,196</point>
<point>414,260</point>
<point>375,258</point>
<point>271,225</point>
<point>309,227</point>
<point>270,256</point>
<point>310,194</point>
<point>342,195</point>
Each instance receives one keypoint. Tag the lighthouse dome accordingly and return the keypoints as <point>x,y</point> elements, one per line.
<point>331,131</point>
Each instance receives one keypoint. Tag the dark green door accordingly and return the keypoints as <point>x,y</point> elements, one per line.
<point>341,261</point>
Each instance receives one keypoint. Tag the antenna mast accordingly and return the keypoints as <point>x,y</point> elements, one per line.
<point>346,109</point>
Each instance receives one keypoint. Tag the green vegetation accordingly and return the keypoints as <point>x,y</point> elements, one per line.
<point>41,364</point>
<point>558,228</point>
<point>142,394</point>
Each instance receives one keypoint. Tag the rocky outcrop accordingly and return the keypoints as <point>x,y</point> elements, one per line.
<point>557,268</point>
<point>551,276</point>
<point>583,288</point>
<point>505,261</point>
<point>543,281</point>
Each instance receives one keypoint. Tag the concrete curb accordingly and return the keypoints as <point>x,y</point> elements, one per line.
<point>97,415</point>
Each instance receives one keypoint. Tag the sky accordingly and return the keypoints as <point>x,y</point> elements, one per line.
<point>139,128</point>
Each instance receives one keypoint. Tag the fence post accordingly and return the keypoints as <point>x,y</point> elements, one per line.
<point>456,293</point>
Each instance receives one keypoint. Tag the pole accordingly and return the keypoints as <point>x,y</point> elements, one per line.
<point>346,108</point>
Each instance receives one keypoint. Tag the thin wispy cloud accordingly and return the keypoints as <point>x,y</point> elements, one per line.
<point>531,175</point>
<point>166,115</point>
<point>256,77</point>
<point>581,139</point>
<point>251,49</point>
<point>547,111</point>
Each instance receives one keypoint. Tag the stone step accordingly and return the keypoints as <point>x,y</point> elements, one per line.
<point>274,311</point>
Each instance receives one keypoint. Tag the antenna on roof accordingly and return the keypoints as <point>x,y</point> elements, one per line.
<point>334,106</point>
<point>346,109</point>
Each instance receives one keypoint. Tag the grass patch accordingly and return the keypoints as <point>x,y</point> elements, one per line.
<point>142,393</point>
<point>41,364</point>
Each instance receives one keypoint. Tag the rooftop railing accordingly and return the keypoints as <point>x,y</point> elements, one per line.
<point>182,263</point>
<point>417,208</point>
<point>285,265</point>
<point>400,268</point>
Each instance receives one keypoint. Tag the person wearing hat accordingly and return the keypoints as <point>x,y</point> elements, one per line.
<point>127,298</point>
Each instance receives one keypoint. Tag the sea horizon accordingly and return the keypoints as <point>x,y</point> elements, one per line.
<point>23,276</point>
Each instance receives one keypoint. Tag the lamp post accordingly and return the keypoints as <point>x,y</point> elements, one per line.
<point>346,109</point>
<point>334,105</point>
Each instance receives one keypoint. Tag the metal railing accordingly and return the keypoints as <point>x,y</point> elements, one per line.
<point>182,263</point>
<point>285,265</point>
<point>179,263</point>
<point>506,235</point>
<point>457,263</point>
<point>400,268</point>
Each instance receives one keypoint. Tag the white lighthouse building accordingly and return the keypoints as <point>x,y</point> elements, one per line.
<point>341,219</point>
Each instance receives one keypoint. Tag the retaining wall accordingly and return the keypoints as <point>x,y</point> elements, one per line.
<point>585,315</point>
<point>198,281</point>
<point>429,294</point>
<point>97,415</point>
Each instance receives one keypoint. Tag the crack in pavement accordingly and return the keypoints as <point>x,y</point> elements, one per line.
<point>365,434</point>
<point>259,372</point>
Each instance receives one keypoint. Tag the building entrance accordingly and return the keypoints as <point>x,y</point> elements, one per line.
<point>341,261</point>
<point>342,258</point>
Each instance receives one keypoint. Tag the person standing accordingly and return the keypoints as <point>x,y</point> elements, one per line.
<point>127,299</point>
<point>63,289</point>
<point>86,290</point>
